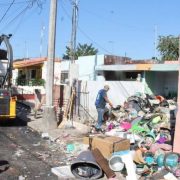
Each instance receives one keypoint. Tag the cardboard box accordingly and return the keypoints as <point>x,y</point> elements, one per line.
<point>107,144</point>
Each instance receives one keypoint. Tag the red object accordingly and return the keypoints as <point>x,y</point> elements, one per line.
<point>160,98</point>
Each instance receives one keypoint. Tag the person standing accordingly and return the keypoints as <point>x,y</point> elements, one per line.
<point>100,104</point>
<point>39,100</point>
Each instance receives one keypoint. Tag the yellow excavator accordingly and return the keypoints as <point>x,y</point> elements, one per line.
<point>7,101</point>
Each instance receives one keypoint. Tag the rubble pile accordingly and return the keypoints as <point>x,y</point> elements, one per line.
<point>137,143</point>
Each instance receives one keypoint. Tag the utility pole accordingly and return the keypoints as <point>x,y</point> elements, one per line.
<point>74,29</point>
<point>49,113</point>
<point>73,68</point>
<point>176,144</point>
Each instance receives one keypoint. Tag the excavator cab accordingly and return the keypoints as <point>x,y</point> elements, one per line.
<point>7,101</point>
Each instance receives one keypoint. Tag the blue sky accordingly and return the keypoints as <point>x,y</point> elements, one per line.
<point>119,27</point>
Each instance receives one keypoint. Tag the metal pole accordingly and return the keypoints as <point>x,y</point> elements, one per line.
<point>49,113</point>
<point>74,29</point>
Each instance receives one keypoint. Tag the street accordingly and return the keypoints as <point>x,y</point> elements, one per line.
<point>25,154</point>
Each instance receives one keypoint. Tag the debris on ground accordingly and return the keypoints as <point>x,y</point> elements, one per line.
<point>136,142</point>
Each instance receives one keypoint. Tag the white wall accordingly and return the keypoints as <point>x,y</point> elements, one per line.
<point>87,66</point>
<point>65,65</point>
<point>57,72</point>
<point>14,76</point>
<point>118,93</point>
<point>29,89</point>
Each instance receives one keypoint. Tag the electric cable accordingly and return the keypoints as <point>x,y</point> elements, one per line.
<point>19,2</point>
<point>7,11</point>
<point>30,5</point>
<point>9,18</point>
<point>21,20</point>
<point>87,36</point>
<point>25,9</point>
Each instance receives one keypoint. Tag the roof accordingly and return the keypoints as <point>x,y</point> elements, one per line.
<point>167,66</point>
<point>31,62</point>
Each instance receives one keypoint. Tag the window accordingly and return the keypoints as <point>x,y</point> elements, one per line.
<point>64,77</point>
<point>33,74</point>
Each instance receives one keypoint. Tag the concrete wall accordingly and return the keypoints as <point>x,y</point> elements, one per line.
<point>86,65</point>
<point>29,89</point>
<point>162,83</point>
<point>14,76</point>
<point>171,82</point>
<point>57,72</point>
<point>118,93</point>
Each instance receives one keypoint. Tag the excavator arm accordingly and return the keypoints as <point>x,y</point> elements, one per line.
<point>6,55</point>
<point>7,101</point>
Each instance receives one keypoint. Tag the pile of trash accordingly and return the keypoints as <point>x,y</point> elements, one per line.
<point>137,143</point>
<point>149,123</point>
<point>142,112</point>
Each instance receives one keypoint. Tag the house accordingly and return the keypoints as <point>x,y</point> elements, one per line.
<point>33,71</point>
<point>87,66</point>
<point>158,77</point>
<point>30,74</point>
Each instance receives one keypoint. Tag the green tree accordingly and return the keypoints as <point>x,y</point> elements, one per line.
<point>67,55</point>
<point>82,50</point>
<point>168,46</point>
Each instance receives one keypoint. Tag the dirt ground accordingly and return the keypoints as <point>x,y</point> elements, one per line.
<point>24,154</point>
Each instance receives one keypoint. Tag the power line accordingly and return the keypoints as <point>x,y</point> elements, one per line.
<point>30,5</point>
<point>23,11</point>
<point>87,36</point>
<point>21,20</point>
<point>7,11</point>
<point>14,13</point>
<point>19,2</point>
